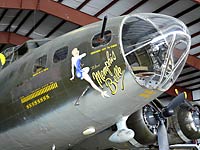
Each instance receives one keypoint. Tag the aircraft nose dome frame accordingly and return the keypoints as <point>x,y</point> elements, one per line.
<point>155,48</point>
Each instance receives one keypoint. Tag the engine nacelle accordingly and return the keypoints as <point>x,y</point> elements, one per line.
<point>187,123</point>
<point>144,124</point>
<point>183,126</point>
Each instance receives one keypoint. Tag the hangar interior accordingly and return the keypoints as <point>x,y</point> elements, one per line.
<point>22,20</point>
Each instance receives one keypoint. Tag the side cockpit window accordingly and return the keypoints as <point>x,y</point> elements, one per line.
<point>60,54</point>
<point>98,41</point>
<point>40,64</point>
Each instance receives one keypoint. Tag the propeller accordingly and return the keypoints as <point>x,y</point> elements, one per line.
<point>160,116</point>
<point>169,110</point>
<point>176,101</point>
<point>163,114</point>
<point>162,137</point>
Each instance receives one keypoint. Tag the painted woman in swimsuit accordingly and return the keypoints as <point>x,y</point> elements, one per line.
<point>82,73</point>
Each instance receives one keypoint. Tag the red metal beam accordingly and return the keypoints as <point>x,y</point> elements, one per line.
<point>193,62</point>
<point>52,8</point>
<point>172,92</point>
<point>12,38</point>
<point>197,1</point>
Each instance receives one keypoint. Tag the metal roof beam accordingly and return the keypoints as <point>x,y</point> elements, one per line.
<point>195,45</point>
<point>13,20</point>
<point>52,8</point>
<point>192,84</point>
<point>165,6</point>
<point>193,22</point>
<point>195,34</point>
<point>55,28</point>
<point>12,38</point>
<point>134,7</point>
<point>106,8</point>
<point>60,1</point>
<point>187,10</point>
<point>198,88</point>
<point>23,21</point>
<point>197,54</point>
<point>83,4</point>
<point>3,14</point>
<point>188,79</point>
<point>37,24</point>
<point>188,73</point>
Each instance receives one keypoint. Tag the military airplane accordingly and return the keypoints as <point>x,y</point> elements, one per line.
<point>100,81</point>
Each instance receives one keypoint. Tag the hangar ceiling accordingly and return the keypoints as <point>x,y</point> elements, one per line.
<point>21,20</point>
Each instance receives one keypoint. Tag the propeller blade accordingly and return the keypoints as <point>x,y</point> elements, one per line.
<point>190,106</point>
<point>176,102</point>
<point>162,137</point>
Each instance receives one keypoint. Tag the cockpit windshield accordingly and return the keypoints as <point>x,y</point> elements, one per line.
<point>155,48</point>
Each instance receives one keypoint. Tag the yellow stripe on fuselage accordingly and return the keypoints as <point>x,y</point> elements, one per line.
<point>45,89</point>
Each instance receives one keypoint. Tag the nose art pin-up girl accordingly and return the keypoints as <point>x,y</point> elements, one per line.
<point>82,73</point>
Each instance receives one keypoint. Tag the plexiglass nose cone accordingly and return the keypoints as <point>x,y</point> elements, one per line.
<point>155,48</point>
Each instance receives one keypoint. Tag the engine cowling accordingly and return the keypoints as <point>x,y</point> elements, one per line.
<point>144,124</point>
<point>184,126</point>
<point>187,123</point>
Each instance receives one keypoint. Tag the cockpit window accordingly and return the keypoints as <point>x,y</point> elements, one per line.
<point>133,38</point>
<point>60,54</point>
<point>40,64</point>
<point>97,40</point>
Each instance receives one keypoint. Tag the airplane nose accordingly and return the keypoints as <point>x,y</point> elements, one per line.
<point>155,48</point>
